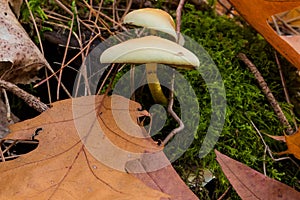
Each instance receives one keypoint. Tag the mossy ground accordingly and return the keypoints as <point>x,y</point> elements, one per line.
<point>223,39</point>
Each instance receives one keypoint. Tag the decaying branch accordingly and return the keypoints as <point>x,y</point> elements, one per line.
<point>267,92</point>
<point>31,100</point>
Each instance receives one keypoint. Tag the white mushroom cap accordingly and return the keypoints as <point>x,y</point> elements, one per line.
<point>152,18</point>
<point>150,49</point>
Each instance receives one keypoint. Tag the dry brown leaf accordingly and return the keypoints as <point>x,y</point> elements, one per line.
<point>20,59</point>
<point>61,167</point>
<point>165,179</point>
<point>250,184</point>
<point>257,13</point>
<point>292,142</point>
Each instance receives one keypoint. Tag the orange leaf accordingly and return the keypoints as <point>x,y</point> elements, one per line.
<point>293,144</point>
<point>250,184</point>
<point>257,13</point>
<point>62,167</point>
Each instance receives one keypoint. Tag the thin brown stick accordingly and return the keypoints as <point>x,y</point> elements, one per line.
<point>60,4</point>
<point>173,114</point>
<point>276,26</point>
<point>267,149</point>
<point>10,157</point>
<point>2,155</point>
<point>64,58</point>
<point>171,98</point>
<point>287,25</point>
<point>126,10</point>
<point>8,111</point>
<point>65,65</point>
<point>35,27</point>
<point>267,92</point>
<point>40,43</point>
<point>10,146</point>
<point>178,16</point>
<point>224,194</point>
<point>286,93</point>
<point>31,100</point>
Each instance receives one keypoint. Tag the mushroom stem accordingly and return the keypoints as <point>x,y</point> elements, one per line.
<point>154,84</point>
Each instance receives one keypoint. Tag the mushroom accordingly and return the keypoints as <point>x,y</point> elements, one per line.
<point>153,19</point>
<point>159,20</point>
<point>151,50</point>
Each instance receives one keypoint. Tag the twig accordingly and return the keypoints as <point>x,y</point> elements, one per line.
<point>178,16</point>
<point>8,112</point>
<point>287,25</point>
<point>41,45</point>
<point>171,99</point>
<point>173,114</point>
<point>35,27</point>
<point>286,94</point>
<point>65,65</point>
<point>276,26</point>
<point>126,10</point>
<point>64,58</point>
<point>2,155</point>
<point>224,194</point>
<point>267,149</point>
<point>267,92</point>
<point>10,146</point>
<point>264,161</point>
<point>282,79</point>
<point>31,100</point>
<point>132,70</point>
<point>105,79</point>
<point>228,10</point>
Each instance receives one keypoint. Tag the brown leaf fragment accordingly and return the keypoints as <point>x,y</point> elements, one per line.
<point>257,13</point>
<point>164,179</point>
<point>250,184</point>
<point>20,59</point>
<point>62,167</point>
<point>292,142</point>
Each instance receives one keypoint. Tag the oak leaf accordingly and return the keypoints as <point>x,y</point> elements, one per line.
<point>250,184</point>
<point>65,167</point>
<point>20,59</point>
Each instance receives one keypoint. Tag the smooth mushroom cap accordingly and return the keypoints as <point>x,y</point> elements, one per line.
<point>152,18</point>
<point>150,49</point>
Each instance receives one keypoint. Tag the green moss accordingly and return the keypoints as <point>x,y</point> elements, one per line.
<point>223,39</point>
